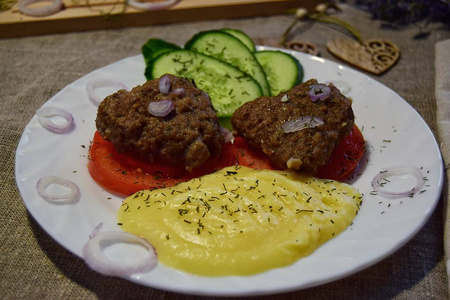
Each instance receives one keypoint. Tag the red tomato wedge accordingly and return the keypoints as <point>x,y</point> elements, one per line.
<point>345,158</point>
<point>123,174</point>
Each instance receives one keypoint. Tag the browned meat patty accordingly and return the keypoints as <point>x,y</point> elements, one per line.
<point>261,123</point>
<point>187,136</point>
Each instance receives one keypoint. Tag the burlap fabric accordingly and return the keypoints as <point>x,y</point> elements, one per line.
<point>442,92</point>
<point>34,266</point>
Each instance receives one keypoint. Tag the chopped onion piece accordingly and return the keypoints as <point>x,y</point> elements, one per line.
<point>70,197</point>
<point>46,113</point>
<point>152,5</point>
<point>94,84</point>
<point>285,98</point>
<point>319,92</point>
<point>301,123</point>
<point>53,8</point>
<point>294,163</point>
<point>160,108</point>
<point>227,135</point>
<point>95,258</point>
<point>381,180</point>
<point>164,84</point>
<point>180,92</point>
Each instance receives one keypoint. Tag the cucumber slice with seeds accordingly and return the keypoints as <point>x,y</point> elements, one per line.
<point>283,70</point>
<point>244,38</point>
<point>227,48</point>
<point>227,86</point>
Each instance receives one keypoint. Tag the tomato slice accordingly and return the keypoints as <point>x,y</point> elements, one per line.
<point>345,157</point>
<point>250,157</point>
<point>342,163</point>
<point>123,174</point>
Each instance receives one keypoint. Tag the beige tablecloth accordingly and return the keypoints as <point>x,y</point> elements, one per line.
<point>33,69</point>
<point>442,92</point>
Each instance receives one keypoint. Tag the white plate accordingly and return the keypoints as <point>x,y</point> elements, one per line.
<point>381,227</point>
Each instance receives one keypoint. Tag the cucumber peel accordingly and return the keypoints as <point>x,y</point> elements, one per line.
<point>154,47</point>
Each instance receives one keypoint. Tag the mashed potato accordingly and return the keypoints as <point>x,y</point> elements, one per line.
<point>240,221</point>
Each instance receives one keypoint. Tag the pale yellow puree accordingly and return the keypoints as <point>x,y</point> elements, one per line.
<point>240,221</point>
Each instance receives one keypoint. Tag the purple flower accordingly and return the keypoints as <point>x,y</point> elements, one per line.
<point>408,11</point>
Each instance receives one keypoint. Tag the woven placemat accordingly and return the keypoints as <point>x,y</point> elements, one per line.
<point>33,69</point>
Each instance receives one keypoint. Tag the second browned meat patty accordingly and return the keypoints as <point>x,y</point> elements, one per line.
<point>186,137</point>
<point>261,123</point>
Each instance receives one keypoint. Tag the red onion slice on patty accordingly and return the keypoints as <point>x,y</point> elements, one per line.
<point>180,92</point>
<point>164,84</point>
<point>160,108</point>
<point>301,123</point>
<point>319,92</point>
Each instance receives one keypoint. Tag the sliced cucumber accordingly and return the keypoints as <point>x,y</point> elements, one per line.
<point>227,86</point>
<point>283,70</point>
<point>154,47</point>
<point>240,35</point>
<point>227,48</point>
